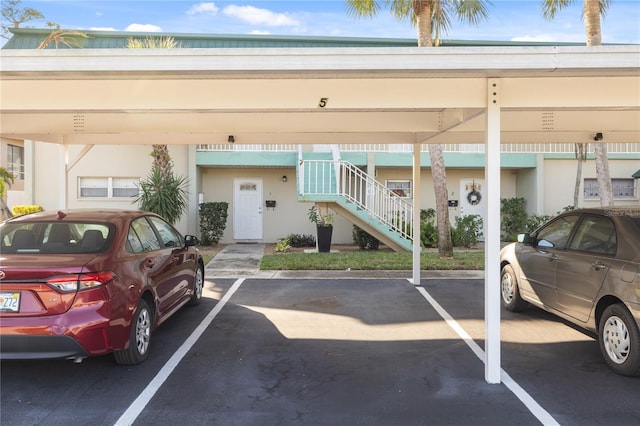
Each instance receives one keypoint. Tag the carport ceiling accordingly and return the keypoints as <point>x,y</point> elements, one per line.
<point>371,95</point>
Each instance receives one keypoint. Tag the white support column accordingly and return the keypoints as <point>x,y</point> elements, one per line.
<point>29,172</point>
<point>63,177</point>
<point>492,236</point>
<point>415,220</point>
<point>194,187</point>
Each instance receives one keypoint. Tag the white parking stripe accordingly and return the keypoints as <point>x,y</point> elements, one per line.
<point>136,407</point>
<point>535,408</point>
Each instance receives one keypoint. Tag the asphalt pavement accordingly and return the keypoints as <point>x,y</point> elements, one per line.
<point>295,349</point>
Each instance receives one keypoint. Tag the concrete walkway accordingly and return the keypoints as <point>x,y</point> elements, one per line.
<point>243,260</point>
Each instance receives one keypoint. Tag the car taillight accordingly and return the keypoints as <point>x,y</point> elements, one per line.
<point>77,282</point>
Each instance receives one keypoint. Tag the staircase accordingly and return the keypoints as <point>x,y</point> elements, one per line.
<point>356,196</point>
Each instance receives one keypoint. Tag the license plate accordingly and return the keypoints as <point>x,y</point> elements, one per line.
<point>10,302</point>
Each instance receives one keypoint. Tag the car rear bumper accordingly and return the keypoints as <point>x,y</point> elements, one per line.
<point>40,347</point>
<point>77,333</point>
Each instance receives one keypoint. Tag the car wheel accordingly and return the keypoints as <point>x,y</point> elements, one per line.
<point>620,340</point>
<point>509,290</point>
<point>198,286</point>
<point>139,337</point>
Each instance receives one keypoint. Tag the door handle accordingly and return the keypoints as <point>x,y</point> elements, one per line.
<point>553,258</point>
<point>597,265</point>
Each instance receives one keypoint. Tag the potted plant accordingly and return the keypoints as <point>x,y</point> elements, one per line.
<point>324,228</point>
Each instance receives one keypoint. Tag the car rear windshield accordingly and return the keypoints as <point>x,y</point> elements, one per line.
<point>54,237</point>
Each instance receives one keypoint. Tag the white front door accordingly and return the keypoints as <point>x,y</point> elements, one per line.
<point>247,209</point>
<point>472,200</point>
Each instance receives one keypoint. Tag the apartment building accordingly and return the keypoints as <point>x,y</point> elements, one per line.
<point>59,161</point>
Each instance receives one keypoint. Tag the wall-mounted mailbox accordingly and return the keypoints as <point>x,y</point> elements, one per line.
<point>271,204</point>
<point>453,203</point>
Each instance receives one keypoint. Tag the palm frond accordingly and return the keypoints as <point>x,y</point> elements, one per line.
<point>551,7</point>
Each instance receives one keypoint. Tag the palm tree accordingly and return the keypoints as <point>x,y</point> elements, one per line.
<point>431,18</point>
<point>70,38</point>
<point>592,11</point>
<point>162,192</point>
<point>6,180</point>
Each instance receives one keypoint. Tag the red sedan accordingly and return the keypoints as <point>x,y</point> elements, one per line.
<point>81,283</point>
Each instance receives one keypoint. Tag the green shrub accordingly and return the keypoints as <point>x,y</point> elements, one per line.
<point>534,221</point>
<point>364,240</point>
<point>163,195</point>
<point>467,231</point>
<point>428,230</point>
<point>282,246</point>
<point>513,218</point>
<point>298,240</point>
<point>213,221</point>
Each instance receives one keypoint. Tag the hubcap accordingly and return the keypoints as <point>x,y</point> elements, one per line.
<point>507,288</point>
<point>199,284</point>
<point>616,339</point>
<point>143,331</point>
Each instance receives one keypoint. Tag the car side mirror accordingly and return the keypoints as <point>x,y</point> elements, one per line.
<point>525,239</point>
<point>191,240</point>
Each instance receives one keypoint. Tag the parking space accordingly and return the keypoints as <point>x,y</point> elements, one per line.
<point>320,352</point>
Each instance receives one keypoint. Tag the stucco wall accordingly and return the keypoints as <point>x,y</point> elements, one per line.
<point>428,199</point>
<point>288,217</point>
<point>559,182</point>
<point>100,161</point>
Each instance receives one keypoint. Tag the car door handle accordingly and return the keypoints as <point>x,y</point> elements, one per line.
<point>597,265</point>
<point>553,258</point>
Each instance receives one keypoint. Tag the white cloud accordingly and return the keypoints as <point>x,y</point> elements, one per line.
<point>102,29</point>
<point>203,9</point>
<point>258,32</point>
<point>550,37</point>
<point>541,38</point>
<point>99,14</point>
<point>256,16</point>
<point>147,28</point>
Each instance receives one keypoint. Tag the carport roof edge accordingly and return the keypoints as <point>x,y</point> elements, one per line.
<point>404,62</point>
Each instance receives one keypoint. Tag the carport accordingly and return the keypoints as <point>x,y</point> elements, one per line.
<point>414,96</point>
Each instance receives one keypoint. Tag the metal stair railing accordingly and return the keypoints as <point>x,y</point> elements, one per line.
<point>343,179</point>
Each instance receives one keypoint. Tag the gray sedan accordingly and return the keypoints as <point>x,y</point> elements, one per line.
<point>584,266</point>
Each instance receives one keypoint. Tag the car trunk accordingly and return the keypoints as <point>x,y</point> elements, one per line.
<point>27,290</point>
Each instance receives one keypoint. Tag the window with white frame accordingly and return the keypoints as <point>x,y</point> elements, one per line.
<point>108,187</point>
<point>400,187</point>
<point>15,161</point>
<point>620,187</point>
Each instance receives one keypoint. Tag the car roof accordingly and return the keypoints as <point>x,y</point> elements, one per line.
<point>619,210</point>
<point>81,215</point>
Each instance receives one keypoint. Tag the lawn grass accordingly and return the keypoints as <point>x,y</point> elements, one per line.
<point>370,260</point>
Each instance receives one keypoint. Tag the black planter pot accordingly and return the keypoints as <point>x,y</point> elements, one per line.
<point>324,238</point>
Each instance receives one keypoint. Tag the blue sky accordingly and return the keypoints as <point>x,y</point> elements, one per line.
<point>516,20</point>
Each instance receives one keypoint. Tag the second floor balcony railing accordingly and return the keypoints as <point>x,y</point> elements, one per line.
<point>533,148</point>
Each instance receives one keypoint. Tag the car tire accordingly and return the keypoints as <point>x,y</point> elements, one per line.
<point>619,340</point>
<point>196,297</point>
<point>139,337</point>
<point>509,290</point>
